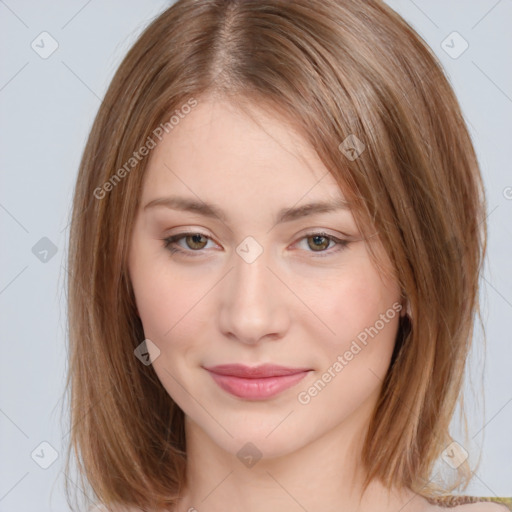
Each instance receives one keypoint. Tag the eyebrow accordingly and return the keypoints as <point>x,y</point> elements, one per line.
<point>210,210</point>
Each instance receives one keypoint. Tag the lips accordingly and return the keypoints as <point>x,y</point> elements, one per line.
<point>254,372</point>
<point>256,383</point>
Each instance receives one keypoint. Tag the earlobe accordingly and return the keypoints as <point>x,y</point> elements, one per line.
<point>406,309</point>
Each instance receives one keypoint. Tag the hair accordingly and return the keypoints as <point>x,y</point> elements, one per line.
<point>332,69</point>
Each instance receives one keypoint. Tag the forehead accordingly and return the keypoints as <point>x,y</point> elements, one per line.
<point>221,149</point>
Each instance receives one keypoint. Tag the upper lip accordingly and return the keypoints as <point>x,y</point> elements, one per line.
<point>254,372</point>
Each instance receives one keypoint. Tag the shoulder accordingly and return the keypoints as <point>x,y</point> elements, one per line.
<point>112,508</point>
<point>470,504</point>
<point>483,506</point>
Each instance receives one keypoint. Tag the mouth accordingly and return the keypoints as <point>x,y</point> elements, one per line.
<point>256,383</point>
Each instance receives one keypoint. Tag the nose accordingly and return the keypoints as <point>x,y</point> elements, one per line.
<point>253,302</point>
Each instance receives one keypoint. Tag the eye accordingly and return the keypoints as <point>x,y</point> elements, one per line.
<point>318,242</point>
<point>194,241</point>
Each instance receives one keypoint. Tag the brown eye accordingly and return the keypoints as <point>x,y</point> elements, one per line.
<point>319,242</point>
<point>194,241</point>
<point>322,244</point>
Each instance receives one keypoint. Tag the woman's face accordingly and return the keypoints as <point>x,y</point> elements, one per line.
<point>257,285</point>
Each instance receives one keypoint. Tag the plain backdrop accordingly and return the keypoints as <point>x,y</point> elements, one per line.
<point>47,105</point>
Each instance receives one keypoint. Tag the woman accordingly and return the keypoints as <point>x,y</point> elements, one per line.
<point>277,234</point>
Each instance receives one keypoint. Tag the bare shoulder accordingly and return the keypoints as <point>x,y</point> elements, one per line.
<point>116,508</point>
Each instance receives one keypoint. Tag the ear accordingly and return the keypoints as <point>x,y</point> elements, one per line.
<point>406,308</point>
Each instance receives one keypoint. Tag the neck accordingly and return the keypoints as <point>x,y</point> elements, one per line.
<point>323,475</point>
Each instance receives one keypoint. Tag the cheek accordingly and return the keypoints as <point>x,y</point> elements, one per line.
<point>162,309</point>
<point>153,291</point>
<point>356,358</point>
<point>170,305</point>
<point>355,302</point>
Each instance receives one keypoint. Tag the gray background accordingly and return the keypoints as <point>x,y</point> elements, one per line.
<point>47,107</point>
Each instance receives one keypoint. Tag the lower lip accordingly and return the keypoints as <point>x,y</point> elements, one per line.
<point>257,389</point>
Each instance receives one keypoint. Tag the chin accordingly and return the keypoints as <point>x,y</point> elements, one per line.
<point>256,443</point>
<point>266,436</point>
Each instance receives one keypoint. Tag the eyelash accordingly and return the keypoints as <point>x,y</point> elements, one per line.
<point>169,241</point>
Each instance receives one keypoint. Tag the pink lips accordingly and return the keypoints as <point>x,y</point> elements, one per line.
<point>255,383</point>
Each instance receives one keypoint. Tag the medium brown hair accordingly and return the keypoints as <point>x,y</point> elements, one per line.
<point>333,69</point>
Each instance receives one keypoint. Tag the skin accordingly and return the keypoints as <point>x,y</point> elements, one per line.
<point>289,307</point>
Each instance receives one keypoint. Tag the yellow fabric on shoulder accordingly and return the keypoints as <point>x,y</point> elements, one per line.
<point>453,501</point>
